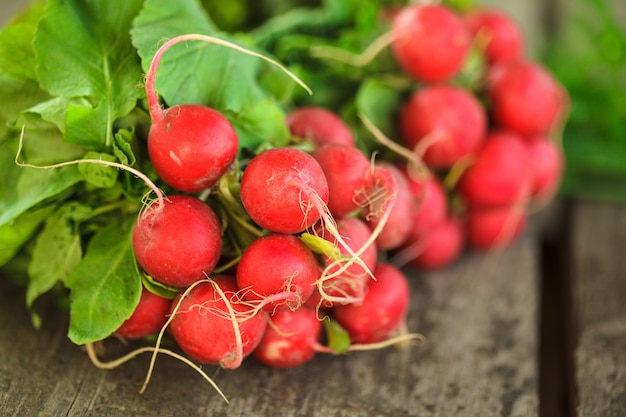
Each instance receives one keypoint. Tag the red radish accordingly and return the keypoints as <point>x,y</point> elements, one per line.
<point>500,174</point>
<point>431,206</point>
<point>525,97</point>
<point>190,146</point>
<point>178,241</point>
<point>446,122</point>
<point>345,168</point>
<point>440,247</point>
<point>430,41</point>
<point>378,199</point>
<point>350,284</point>
<point>383,309</point>
<point>148,318</point>
<point>489,228</point>
<point>503,38</point>
<point>278,269</point>
<point>283,189</point>
<point>291,339</point>
<point>399,224</point>
<point>321,126</point>
<point>547,166</point>
<point>208,331</point>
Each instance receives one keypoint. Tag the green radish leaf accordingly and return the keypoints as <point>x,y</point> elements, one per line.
<point>197,72</point>
<point>105,287</point>
<point>379,101</point>
<point>320,245</point>
<point>338,337</point>
<point>15,234</point>
<point>194,72</point>
<point>42,142</point>
<point>320,20</point>
<point>98,175</point>
<point>158,288</point>
<point>83,51</point>
<point>57,251</point>
<point>122,146</point>
<point>53,111</point>
<point>18,82</point>
<point>87,125</point>
<point>24,188</point>
<point>264,120</point>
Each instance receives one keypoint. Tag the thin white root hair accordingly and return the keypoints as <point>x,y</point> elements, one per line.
<point>236,362</point>
<point>156,112</point>
<point>137,173</point>
<point>418,338</point>
<point>93,357</point>
<point>160,335</point>
<point>415,162</point>
<point>354,257</point>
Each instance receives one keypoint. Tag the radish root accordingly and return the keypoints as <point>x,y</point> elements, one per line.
<point>159,194</point>
<point>93,356</point>
<point>156,112</point>
<point>416,165</point>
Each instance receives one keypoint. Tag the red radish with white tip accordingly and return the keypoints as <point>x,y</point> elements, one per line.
<point>291,339</point>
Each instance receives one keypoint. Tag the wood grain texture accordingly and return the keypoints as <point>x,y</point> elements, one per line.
<point>599,272</point>
<point>480,318</point>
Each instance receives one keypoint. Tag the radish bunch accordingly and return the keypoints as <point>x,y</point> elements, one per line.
<point>256,255</point>
<point>275,227</point>
<point>272,253</point>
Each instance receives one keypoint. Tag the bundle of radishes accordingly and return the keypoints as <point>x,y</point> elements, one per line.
<point>295,243</point>
<point>282,252</point>
<point>319,235</point>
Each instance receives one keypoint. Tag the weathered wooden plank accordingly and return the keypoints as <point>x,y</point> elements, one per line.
<point>480,318</point>
<point>599,273</point>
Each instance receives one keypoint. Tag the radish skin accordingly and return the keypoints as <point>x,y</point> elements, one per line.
<point>205,329</point>
<point>382,311</point>
<point>291,339</point>
<point>184,224</point>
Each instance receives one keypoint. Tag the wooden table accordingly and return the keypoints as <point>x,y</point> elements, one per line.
<point>495,346</point>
